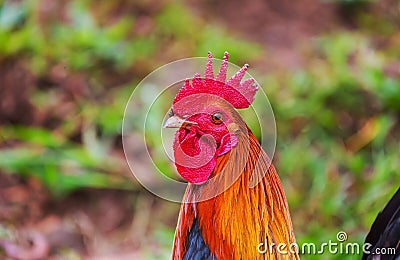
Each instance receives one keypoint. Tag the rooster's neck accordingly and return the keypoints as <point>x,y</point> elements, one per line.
<point>250,209</point>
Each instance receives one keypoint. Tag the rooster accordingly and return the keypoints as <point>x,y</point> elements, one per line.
<point>234,206</point>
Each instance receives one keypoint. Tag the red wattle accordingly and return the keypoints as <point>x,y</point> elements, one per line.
<point>196,156</point>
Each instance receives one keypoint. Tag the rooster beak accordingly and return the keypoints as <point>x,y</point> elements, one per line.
<point>177,122</point>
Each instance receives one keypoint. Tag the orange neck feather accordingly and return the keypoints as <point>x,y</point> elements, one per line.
<point>236,221</point>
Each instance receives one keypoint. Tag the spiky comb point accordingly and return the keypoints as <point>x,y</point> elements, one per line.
<point>239,94</point>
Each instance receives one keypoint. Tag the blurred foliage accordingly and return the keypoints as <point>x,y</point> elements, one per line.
<point>72,43</point>
<point>338,138</point>
<point>337,116</point>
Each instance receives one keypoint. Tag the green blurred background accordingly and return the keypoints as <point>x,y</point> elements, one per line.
<point>331,70</point>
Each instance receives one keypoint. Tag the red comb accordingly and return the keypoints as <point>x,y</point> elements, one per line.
<point>239,94</point>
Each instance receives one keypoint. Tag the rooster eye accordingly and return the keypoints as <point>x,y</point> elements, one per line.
<point>217,118</point>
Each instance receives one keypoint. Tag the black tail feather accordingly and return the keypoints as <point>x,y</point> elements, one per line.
<point>385,231</point>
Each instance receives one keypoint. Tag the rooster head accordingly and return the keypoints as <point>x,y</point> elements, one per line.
<point>204,111</point>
